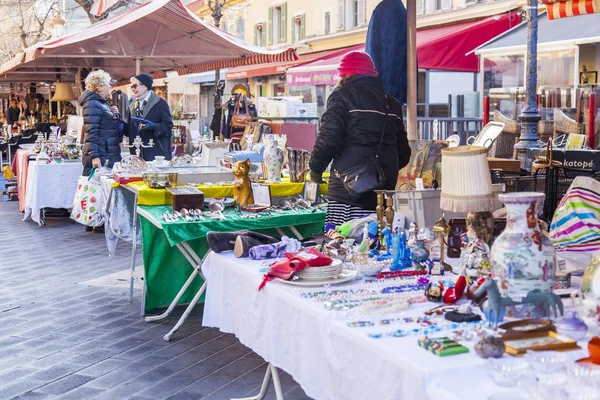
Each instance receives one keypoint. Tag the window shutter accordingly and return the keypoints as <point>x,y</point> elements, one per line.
<point>270,26</point>
<point>283,34</point>
<point>341,14</point>
<point>256,34</point>
<point>362,20</point>
<point>303,27</point>
<point>294,30</point>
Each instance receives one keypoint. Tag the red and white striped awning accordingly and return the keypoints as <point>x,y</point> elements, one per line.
<point>164,34</point>
<point>570,8</point>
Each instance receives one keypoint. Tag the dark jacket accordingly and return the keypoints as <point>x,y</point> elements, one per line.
<point>350,131</point>
<point>156,111</point>
<point>12,115</point>
<point>102,138</point>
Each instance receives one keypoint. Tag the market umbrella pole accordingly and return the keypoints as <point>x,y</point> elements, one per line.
<point>411,66</point>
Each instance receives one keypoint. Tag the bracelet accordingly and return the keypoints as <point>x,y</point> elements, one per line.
<point>404,289</point>
<point>397,274</point>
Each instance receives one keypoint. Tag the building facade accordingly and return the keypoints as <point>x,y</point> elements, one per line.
<point>317,29</point>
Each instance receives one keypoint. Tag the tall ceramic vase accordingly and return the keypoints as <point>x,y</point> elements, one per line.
<point>273,159</point>
<point>523,257</point>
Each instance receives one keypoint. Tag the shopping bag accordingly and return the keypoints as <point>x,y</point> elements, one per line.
<point>89,202</point>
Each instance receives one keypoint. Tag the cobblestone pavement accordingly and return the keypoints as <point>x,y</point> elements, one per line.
<point>60,339</point>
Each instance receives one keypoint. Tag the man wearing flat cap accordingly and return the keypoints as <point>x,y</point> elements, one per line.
<point>150,118</point>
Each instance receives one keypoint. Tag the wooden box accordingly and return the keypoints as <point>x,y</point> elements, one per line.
<point>185,197</point>
<point>504,164</point>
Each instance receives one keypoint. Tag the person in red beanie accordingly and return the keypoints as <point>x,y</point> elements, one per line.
<point>360,122</point>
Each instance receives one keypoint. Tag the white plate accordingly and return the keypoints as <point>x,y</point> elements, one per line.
<point>345,276</point>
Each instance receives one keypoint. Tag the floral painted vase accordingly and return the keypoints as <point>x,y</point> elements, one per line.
<point>522,257</point>
<point>273,159</point>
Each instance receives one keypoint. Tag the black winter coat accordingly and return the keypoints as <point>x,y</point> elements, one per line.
<point>350,131</point>
<point>12,115</point>
<point>157,111</point>
<point>102,138</point>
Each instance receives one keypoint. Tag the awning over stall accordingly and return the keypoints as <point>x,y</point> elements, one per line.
<point>163,34</point>
<point>441,48</point>
<point>570,8</point>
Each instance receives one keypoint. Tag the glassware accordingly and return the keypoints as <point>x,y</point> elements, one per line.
<point>546,362</point>
<point>506,371</point>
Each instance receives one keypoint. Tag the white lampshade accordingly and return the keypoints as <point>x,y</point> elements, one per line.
<point>64,92</point>
<point>466,180</point>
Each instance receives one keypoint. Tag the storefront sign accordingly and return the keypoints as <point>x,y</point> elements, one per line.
<point>579,160</point>
<point>316,78</point>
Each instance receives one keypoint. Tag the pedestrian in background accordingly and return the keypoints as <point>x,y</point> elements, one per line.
<point>353,128</point>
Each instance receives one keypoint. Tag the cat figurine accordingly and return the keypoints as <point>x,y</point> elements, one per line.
<point>242,189</point>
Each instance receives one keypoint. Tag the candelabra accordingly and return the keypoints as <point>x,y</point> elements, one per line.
<point>380,209</point>
<point>139,144</point>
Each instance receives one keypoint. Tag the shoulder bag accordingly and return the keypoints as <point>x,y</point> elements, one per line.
<point>241,120</point>
<point>368,175</point>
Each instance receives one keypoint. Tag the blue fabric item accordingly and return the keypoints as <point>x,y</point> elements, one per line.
<point>386,44</point>
<point>373,229</point>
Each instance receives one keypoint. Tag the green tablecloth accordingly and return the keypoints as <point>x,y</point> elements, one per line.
<point>166,269</point>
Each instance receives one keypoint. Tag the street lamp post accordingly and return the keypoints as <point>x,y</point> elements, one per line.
<point>216,7</point>
<point>530,116</point>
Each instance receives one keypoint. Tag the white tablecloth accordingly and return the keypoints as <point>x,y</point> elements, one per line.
<point>327,358</point>
<point>50,186</point>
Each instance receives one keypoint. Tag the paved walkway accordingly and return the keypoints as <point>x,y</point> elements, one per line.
<point>60,339</point>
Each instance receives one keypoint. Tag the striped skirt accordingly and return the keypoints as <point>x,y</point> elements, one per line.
<point>338,213</point>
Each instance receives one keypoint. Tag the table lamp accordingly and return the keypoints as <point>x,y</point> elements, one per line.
<point>467,187</point>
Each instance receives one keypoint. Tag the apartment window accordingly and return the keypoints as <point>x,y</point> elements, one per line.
<point>260,35</point>
<point>420,7</point>
<point>351,14</point>
<point>277,24</point>
<point>439,5</point>
<point>327,23</point>
<point>298,27</point>
<point>240,28</point>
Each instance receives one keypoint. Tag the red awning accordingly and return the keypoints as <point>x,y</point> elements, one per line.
<point>252,71</point>
<point>164,34</point>
<point>570,8</point>
<point>442,48</point>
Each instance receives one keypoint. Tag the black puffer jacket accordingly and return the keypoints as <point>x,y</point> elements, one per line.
<point>350,131</point>
<point>102,136</point>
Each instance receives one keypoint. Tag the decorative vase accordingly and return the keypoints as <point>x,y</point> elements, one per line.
<point>523,257</point>
<point>273,159</point>
<point>419,253</point>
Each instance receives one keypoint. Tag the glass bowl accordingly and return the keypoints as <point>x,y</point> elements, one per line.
<point>159,179</point>
<point>584,373</point>
<point>546,362</point>
<point>507,371</point>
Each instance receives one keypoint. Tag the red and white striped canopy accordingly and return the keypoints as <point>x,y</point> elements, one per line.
<point>163,33</point>
<point>570,8</point>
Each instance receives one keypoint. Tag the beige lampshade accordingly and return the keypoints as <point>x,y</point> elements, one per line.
<point>466,180</point>
<point>64,92</point>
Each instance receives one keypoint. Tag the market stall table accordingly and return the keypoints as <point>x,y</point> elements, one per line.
<point>329,359</point>
<point>169,248</point>
<point>20,166</point>
<point>50,186</point>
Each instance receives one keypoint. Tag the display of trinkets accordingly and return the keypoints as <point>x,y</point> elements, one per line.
<point>434,291</point>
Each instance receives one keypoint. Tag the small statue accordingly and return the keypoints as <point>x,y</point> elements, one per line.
<point>242,190</point>
<point>412,235</point>
<point>400,253</point>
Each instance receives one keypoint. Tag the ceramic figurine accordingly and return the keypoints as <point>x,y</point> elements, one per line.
<point>242,189</point>
<point>434,291</point>
<point>273,158</point>
<point>490,346</point>
<point>366,243</point>
<point>400,253</point>
<point>387,234</point>
<point>522,257</point>
<point>494,307</point>
<point>412,235</point>
<point>419,253</point>
<point>571,326</point>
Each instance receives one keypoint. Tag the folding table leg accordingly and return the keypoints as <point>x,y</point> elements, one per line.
<point>176,299</point>
<point>186,314</point>
<point>264,389</point>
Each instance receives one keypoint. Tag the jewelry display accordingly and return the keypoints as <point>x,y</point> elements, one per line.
<point>397,274</point>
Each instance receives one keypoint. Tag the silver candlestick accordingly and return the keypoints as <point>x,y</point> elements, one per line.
<point>139,144</point>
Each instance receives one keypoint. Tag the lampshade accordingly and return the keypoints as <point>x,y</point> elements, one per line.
<point>64,92</point>
<point>466,180</point>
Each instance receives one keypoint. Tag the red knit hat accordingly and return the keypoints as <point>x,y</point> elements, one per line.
<point>357,63</point>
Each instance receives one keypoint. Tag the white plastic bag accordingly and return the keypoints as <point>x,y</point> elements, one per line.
<point>89,202</point>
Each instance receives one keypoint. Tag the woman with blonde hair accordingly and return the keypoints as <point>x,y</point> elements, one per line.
<point>102,139</point>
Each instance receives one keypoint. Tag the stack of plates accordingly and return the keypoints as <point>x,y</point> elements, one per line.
<point>319,273</point>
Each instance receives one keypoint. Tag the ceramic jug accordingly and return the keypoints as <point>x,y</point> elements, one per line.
<point>273,159</point>
<point>522,257</point>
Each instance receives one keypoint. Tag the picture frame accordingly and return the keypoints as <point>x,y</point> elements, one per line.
<point>311,191</point>
<point>518,345</point>
<point>592,78</point>
<point>262,194</point>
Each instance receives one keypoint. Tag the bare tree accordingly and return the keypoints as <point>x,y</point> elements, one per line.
<point>86,5</point>
<point>23,23</point>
